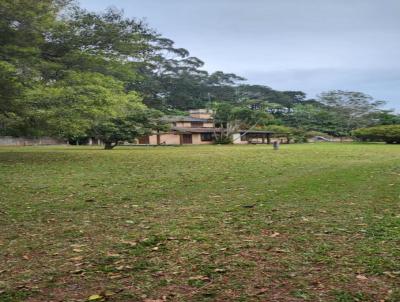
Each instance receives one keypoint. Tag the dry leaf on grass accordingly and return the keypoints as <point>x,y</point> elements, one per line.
<point>200,277</point>
<point>95,298</point>
<point>361,277</point>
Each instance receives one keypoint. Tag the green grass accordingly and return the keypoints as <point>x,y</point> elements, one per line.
<point>313,222</point>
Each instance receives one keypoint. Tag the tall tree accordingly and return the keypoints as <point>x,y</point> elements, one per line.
<point>354,108</point>
<point>24,25</point>
<point>229,118</point>
<point>77,67</point>
<point>136,122</point>
<point>315,118</point>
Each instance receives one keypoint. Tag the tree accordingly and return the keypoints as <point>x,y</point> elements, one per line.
<point>384,117</point>
<point>387,133</point>
<point>23,28</point>
<point>354,108</point>
<point>135,123</point>
<point>316,118</point>
<point>229,118</point>
<point>70,107</point>
<point>62,73</point>
<point>261,93</point>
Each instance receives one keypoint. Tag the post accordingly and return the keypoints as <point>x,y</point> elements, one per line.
<point>268,139</point>
<point>276,145</point>
<point>180,139</point>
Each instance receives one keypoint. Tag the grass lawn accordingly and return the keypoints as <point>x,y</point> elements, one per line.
<point>313,222</point>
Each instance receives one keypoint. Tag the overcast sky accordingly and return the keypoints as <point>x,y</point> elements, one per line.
<point>308,45</point>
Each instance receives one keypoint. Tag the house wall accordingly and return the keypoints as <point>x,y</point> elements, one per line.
<point>237,140</point>
<point>200,115</point>
<point>183,124</point>
<point>189,124</point>
<point>196,140</point>
<point>174,139</point>
<point>165,139</point>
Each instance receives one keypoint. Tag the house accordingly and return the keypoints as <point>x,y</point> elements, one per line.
<point>198,129</point>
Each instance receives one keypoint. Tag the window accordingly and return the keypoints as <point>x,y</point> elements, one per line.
<point>243,138</point>
<point>206,137</point>
<point>197,124</point>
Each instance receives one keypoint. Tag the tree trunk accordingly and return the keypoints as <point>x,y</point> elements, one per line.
<point>109,145</point>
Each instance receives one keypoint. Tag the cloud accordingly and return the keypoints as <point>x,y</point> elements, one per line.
<point>310,45</point>
<point>379,83</point>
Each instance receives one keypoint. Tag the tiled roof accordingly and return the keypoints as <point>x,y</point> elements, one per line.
<point>194,130</point>
<point>255,132</point>
<point>185,119</point>
<point>211,130</point>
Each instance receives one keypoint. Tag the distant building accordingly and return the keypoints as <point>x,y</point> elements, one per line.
<point>198,129</point>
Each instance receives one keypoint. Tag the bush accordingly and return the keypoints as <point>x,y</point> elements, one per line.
<point>223,140</point>
<point>388,133</point>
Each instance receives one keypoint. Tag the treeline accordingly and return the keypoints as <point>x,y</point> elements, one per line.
<point>70,73</point>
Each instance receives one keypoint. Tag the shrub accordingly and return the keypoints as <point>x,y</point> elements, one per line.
<point>387,133</point>
<point>223,140</point>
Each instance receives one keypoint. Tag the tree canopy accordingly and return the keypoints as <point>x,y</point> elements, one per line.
<point>64,71</point>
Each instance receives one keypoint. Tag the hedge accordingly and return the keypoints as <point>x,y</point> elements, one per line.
<point>387,133</point>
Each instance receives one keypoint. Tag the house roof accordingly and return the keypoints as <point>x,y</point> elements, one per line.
<point>185,119</point>
<point>256,132</point>
<point>194,130</point>
<point>211,130</point>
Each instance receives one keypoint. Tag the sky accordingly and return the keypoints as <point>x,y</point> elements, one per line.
<point>307,45</point>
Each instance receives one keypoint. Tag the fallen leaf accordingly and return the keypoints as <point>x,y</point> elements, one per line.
<point>78,245</point>
<point>131,243</point>
<point>220,270</point>
<point>361,277</point>
<point>199,277</point>
<point>95,298</point>
<point>113,255</point>
<point>262,291</point>
<point>114,276</point>
<point>391,275</point>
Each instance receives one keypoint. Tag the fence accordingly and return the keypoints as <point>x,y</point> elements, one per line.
<point>24,141</point>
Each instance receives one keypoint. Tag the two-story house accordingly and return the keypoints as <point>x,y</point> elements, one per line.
<point>197,128</point>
